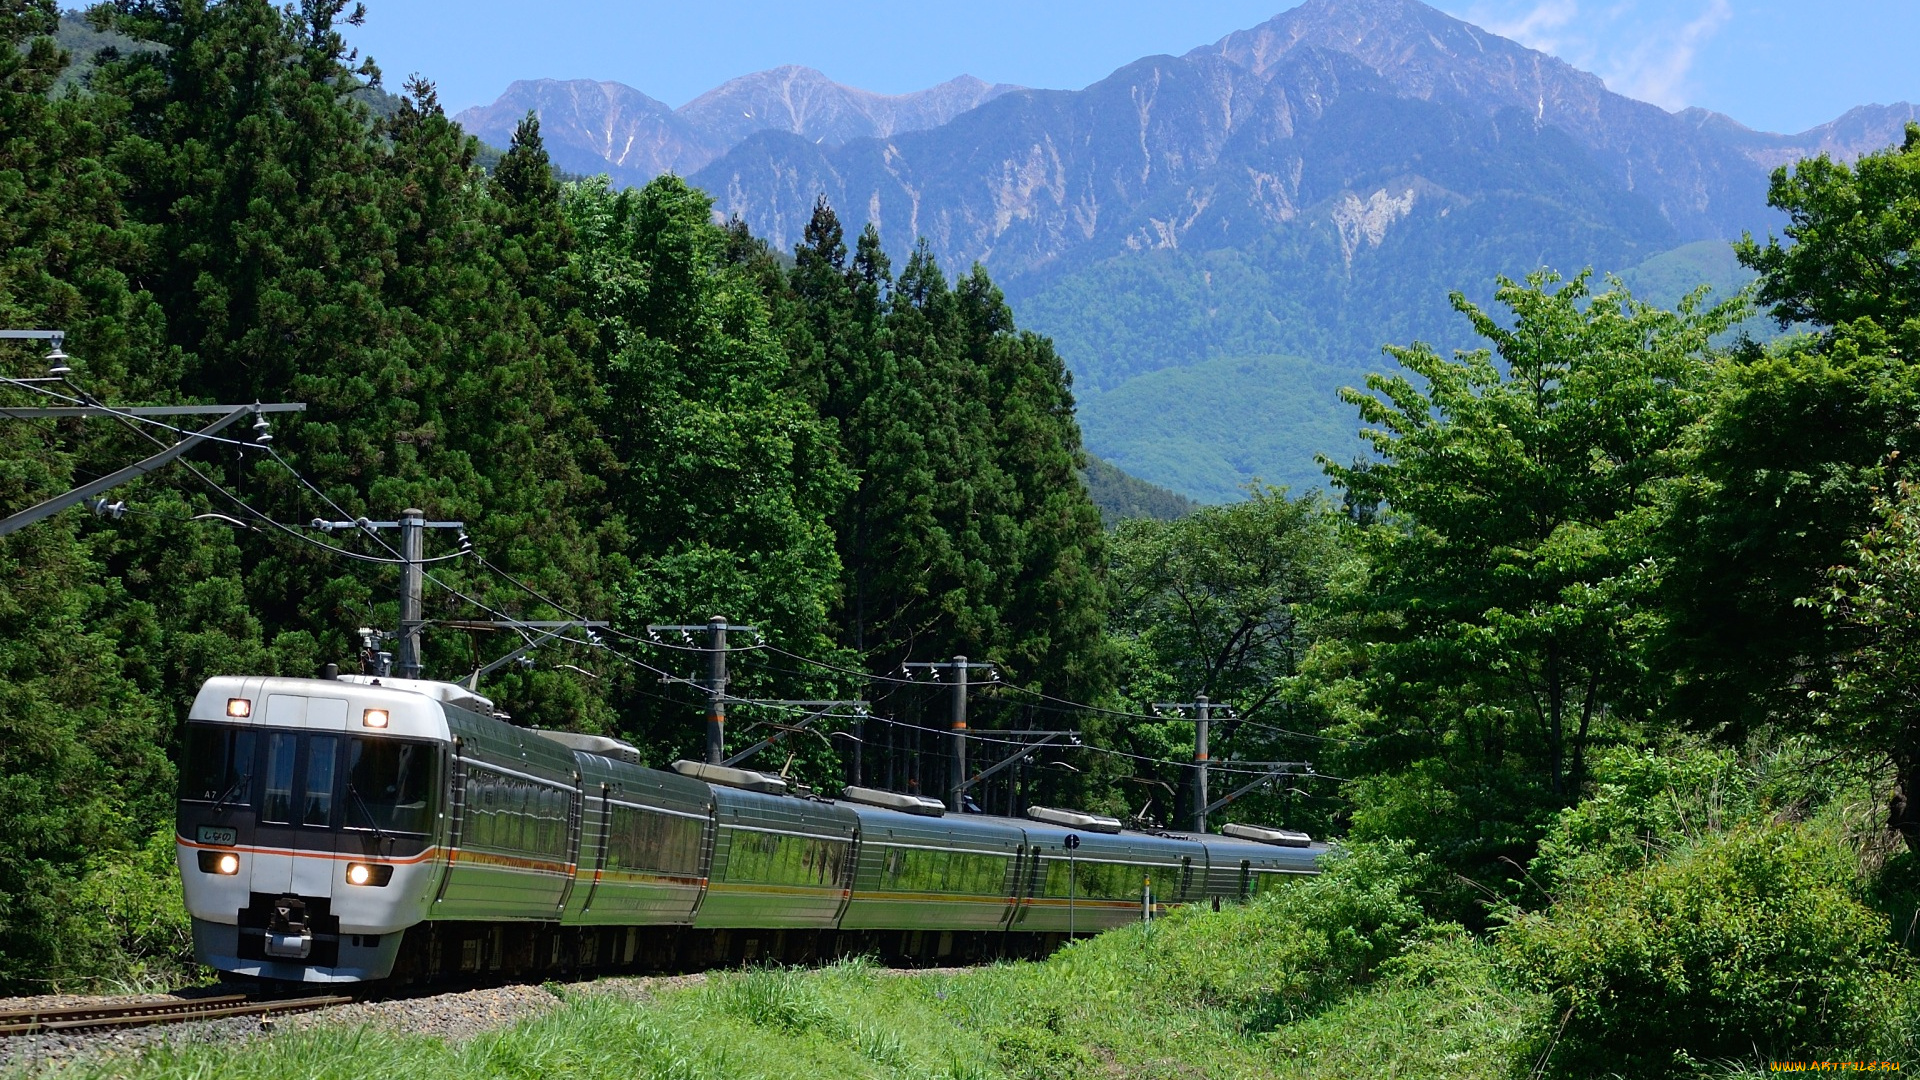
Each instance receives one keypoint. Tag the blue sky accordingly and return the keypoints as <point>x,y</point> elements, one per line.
<point>1771,64</point>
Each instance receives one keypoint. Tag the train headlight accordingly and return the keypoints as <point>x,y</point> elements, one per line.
<point>240,707</point>
<point>219,862</point>
<point>368,874</point>
<point>374,718</point>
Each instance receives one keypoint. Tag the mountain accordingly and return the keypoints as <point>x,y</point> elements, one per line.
<point>804,102</point>
<point>1124,497</point>
<point>1858,130</point>
<point>607,127</point>
<point>1218,241</point>
<point>597,127</point>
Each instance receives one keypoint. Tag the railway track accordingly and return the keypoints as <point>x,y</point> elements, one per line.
<point>147,1013</point>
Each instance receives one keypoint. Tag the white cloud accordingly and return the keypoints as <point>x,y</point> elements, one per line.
<point>1537,28</point>
<point>1657,70</point>
<point>1642,49</point>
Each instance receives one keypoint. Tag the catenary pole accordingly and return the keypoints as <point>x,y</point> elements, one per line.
<point>716,689</point>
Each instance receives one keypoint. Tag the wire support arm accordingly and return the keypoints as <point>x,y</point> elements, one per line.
<point>1063,738</point>
<point>821,709</point>
<point>1278,771</point>
<point>76,496</point>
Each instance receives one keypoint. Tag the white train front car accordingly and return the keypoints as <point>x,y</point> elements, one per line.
<point>310,824</point>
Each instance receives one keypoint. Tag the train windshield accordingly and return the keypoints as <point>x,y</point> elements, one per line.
<point>219,764</point>
<point>389,785</point>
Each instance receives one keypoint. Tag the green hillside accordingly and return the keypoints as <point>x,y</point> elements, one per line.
<point>1121,496</point>
<point>1233,420</point>
<point>1211,371</point>
<point>1668,276</point>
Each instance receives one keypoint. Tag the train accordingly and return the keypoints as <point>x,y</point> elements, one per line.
<point>366,829</point>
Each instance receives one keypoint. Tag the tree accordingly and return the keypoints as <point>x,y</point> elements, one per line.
<point>1046,543</point>
<point>1801,435</point>
<point>724,474</point>
<point>1496,625</point>
<point>1217,603</point>
<point>1854,231</point>
<point>83,715</point>
<point>1873,705</point>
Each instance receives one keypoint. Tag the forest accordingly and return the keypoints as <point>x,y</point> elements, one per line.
<point>1604,654</point>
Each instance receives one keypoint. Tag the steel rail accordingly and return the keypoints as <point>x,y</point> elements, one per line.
<point>144,1013</point>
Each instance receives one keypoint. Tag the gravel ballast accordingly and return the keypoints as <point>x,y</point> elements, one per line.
<point>454,1016</point>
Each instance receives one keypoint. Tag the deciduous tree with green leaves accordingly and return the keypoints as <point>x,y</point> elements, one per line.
<point>1218,603</point>
<point>1801,437</point>
<point>1496,626</point>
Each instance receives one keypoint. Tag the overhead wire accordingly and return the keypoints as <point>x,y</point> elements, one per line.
<point>131,421</point>
<point>1060,704</point>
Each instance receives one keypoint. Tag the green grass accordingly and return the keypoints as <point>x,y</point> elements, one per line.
<point>1186,998</point>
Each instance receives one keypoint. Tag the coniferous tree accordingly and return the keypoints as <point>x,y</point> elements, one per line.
<point>83,712</point>
<point>724,474</point>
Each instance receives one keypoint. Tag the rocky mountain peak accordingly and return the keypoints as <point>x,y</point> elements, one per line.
<point>593,127</point>
<point>805,102</point>
<point>1423,52</point>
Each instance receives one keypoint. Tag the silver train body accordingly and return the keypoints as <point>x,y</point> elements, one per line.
<point>343,831</point>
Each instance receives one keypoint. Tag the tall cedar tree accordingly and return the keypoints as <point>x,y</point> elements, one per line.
<point>303,253</point>
<point>970,532</point>
<point>724,473</point>
<point>83,773</point>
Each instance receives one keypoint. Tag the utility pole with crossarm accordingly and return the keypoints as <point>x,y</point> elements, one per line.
<point>957,763</point>
<point>716,685</point>
<point>1202,710</point>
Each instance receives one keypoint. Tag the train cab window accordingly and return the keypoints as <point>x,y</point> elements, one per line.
<point>389,782</point>
<point>276,803</point>
<point>219,765</point>
<point>316,798</point>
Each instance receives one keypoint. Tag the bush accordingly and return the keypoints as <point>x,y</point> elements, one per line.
<point>1283,956</point>
<point>125,926</point>
<point>1753,943</point>
<point>1645,804</point>
<point>1475,824</point>
<point>1648,803</point>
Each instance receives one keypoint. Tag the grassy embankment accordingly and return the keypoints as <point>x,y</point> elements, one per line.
<point>1132,1003</point>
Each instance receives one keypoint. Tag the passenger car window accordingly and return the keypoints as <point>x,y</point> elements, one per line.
<point>316,793</point>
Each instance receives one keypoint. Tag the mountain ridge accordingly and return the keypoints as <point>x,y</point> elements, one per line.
<point>594,126</point>
<point>1263,212</point>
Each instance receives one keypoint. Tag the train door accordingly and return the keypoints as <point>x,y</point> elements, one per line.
<point>600,847</point>
<point>1246,879</point>
<point>299,801</point>
<point>455,796</point>
<point>570,846</point>
<point>1186,879</point>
